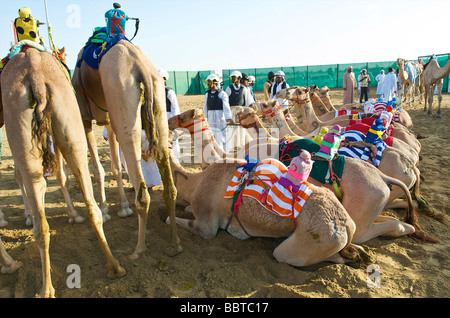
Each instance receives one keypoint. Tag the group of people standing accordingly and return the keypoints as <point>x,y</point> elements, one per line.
<point>221,105</point>
<point>386,85</point>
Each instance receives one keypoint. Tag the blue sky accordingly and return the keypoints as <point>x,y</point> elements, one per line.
<point>180,35</point>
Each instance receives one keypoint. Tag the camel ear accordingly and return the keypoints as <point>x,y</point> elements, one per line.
<point>198,113</point>
<point>63,50</point>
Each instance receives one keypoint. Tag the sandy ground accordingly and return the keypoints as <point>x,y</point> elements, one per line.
<point>224,266</point>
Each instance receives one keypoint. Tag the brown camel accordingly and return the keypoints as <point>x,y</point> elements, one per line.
<point>38,102</point>
<point>406,90</point>
<point>360,182</point>
<point>325,99</point>
<point>432,76</point>
<point>322,231</point>
<point>275,115</point>
<point>113,95</point>
<point>300,97</point>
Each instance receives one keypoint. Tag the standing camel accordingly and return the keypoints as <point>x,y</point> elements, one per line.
<point>407,83</point>
<point>113,95</point>
<point>432,76</point>
<point>38,102</point>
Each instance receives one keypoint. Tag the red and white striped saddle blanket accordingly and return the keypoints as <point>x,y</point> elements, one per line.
<point>266,184</point>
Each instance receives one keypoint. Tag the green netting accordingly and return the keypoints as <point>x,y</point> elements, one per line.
<point>323,75</point>
<point>193,82</point>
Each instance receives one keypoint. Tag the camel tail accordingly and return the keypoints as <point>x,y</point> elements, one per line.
<point>148,109</point>
<point>411,214</point>
<point>41,124</point>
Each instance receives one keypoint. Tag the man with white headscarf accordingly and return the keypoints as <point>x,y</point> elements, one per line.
<point>238,95</point>
<point>217,110</point>
<point>390,85</point>
<point>280,83</point>
<point>380,79</point>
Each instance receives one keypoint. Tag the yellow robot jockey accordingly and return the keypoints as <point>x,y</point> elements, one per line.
<point>27,26</point>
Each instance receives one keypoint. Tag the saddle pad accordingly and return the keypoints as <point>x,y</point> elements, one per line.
<point>320,169</point>
<point>94,50</point>
<point>265,187</point>
<point>361,153</point>
<point>364,128</point>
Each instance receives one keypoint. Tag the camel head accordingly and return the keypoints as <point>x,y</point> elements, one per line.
<point>186,119</point>
<point>266,108</point>
<point>400,62</point>
<point>247,117</point>
<point>297,94</point>
<point>324,90</point>
<point>61,54</point>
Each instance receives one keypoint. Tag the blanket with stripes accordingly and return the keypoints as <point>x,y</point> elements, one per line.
<point>363,153</point>
<point>266,184</point>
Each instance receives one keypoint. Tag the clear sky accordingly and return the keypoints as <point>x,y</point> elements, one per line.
<point>194,35</point>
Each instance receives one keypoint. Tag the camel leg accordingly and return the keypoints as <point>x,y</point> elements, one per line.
<point>128,130</point>
<point>425,98</point>
<point>116,169</point>
<point>302,248</point>
<point>8,265</point>
<point>35,187</point>
<point>75,156</point>
<point>28,212</point>
<point>385,226</point>
<point>438,112</point>
<point>63,182</point>
<point>205,224</point>
<point>170,195</point>
<point>99,172</point>
<point>3,222</point>
<point>430,99</point>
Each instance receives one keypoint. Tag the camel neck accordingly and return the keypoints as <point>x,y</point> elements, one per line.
<point>184,180</point>
<point>310,120</point>
<point>319,106</point>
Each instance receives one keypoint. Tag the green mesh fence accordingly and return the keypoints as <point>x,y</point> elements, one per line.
<point>194,82</point>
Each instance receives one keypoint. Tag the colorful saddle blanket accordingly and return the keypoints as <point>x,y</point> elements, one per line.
<point>363,153</point>
<point>321,169</point>
<point>265,183</point>
<point>97,46</point>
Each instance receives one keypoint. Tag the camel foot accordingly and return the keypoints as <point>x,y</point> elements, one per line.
<point>188,209</point>
<point>124,212</point>
<point>117,272</point>
<point>11,268</point>
<point>76,220</point>
<point>174,250</point>
<point>438,115</point>
<point>106,217</point>
<point>29,221</point>
<point>3,223</point>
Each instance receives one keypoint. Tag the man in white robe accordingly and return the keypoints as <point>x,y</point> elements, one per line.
<point>280,83</point>
<point>238,95</point>
<point>380,79</point>
<point>390,86</point>
<point>217,110</point>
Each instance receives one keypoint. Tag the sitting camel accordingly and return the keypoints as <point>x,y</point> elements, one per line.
<point>117,104</point>
<point>300,97</point>
<point>359,179</point>
<point>322,97</point>
<point>322,216</point>
<point>38,102</point>
<point>432,76</point>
